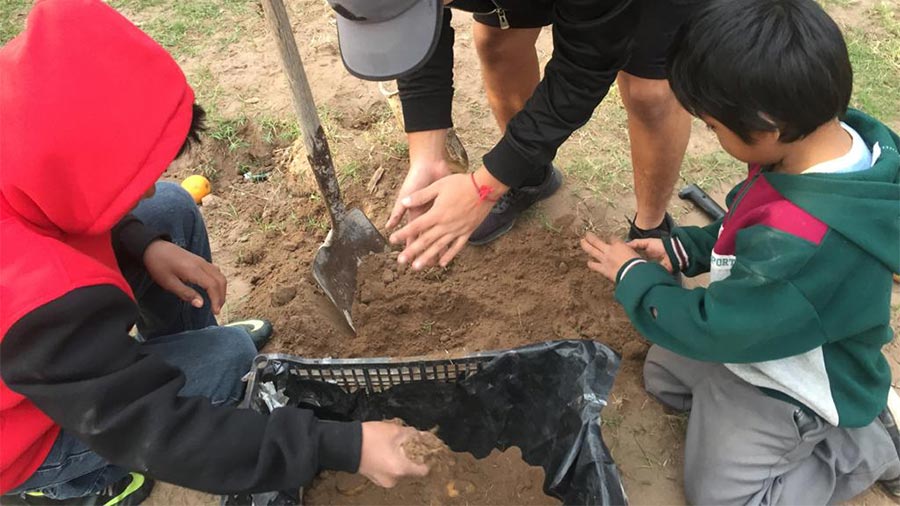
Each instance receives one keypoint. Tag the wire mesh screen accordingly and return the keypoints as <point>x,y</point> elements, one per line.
<point>373,375</point>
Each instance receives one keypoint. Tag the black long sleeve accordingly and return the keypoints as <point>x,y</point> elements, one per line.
<point>75,361</point>
<point>591,42</point>
<point>427,94</point>
<point>131,237</point>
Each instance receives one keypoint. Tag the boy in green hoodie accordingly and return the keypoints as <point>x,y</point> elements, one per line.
<point>779,360</point>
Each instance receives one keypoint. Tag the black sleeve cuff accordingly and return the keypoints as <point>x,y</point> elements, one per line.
<point>340,445</point>
<point>421,114</point>
<point>509,166</point>
<point>131,238</point>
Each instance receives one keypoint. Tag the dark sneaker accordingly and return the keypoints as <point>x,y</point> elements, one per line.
<point>511,205</point>
<point>890,418</point>
<point>661,232</point>
<point>129,491</point>
<point>260,331</point>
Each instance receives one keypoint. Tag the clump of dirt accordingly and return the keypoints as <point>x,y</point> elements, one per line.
<point>454,479</point>
<point>425,448</point>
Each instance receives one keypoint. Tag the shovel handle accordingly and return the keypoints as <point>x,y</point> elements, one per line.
<point>702,200</point>
<point>317,151</point>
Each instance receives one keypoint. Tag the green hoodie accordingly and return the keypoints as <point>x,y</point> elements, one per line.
<point>799,303</point>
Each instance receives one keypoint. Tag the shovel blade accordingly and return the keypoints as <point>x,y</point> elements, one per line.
<point>338,258</point>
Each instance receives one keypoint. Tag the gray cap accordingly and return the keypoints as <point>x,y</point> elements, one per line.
<point>384,39</point>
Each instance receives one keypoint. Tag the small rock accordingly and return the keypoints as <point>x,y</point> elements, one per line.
<point>291,245</point>
<point>283,295</point>
<point>249,257</point>
<point>563,267</point>
<point>387,276</point>
<point>211,202</point>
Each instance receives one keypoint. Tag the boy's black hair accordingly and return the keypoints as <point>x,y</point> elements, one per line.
<point>198,126</point>
<point>762,65</point>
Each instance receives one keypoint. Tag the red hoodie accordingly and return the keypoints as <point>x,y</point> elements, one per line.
<point>93,111</point>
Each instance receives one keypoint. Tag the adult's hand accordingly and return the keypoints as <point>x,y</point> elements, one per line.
<point>172,268</point>
<point>456,210</point>
<point>382,459</point>
<point>426,165</point>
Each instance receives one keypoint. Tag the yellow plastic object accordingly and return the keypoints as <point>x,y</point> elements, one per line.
<point>198,186</point>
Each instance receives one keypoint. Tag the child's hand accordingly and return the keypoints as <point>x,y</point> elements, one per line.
<point>607,258</point>
<point>382,459</point>
<point>172,268</point>
<point>652,249</point>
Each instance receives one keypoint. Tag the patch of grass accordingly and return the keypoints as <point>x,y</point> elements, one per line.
<point>330,118</point>
<point>206,89</point>
<point>266,225</point>
<point>398,149</point>
<point>876,69</point>
<point>208,170</point>
<point>229,131</point>
<point>179,26</point>
<point>537,214</point>
<point>316,224</point>
<point>426,327</point>
<point>597,157</point>
<point>274,130</point>
<point>349,171</point>
<point>712,169</point>
<point>839,3</point>
<point>12,18</point>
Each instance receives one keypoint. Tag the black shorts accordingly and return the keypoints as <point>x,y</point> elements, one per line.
<point>660,19</point>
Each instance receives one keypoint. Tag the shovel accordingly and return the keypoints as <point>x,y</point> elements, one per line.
<point>352,235</point>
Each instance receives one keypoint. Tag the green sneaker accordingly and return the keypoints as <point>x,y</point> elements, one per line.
<point>129,491</point>
<point>260,330</point>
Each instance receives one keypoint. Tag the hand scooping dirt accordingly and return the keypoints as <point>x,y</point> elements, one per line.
<point>455,479</point>
<point>425,448</point>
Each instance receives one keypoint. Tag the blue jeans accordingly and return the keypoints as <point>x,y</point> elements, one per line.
<point>212,358</point>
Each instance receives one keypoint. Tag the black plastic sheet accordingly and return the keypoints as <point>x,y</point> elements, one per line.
<point>545,399</point>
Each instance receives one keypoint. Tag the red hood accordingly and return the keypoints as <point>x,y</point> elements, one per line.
<point>93,113</point>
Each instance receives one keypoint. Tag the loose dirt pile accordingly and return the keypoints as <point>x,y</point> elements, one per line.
<point>455,479</point>
<point>531,289</point>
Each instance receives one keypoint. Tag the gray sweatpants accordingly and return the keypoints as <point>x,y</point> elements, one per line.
<point>744,447</point>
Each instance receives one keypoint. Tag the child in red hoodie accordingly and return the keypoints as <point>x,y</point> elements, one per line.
<point>94,112</point>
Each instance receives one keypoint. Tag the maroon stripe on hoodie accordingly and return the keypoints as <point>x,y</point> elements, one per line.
<point>763,205</point>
